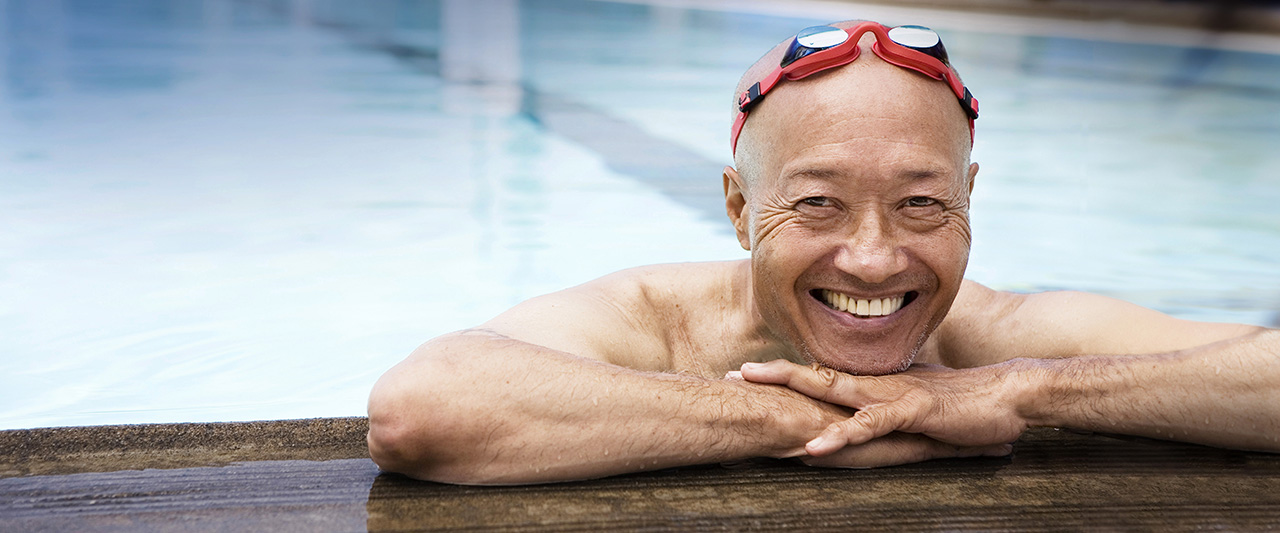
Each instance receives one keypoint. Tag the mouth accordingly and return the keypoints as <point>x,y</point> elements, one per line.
<point>863,307</point>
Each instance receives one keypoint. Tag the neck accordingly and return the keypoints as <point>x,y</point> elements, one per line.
<point>759,341</point>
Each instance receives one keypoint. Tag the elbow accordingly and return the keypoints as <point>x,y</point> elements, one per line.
<point>393,446</point>
<point>396,440</point>
<point>418,428</point>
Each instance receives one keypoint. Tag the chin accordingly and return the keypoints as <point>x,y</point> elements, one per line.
<point>866,364</point>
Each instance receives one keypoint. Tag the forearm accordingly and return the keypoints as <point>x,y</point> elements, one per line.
<point>483,409</point>
<point>1225,394</point>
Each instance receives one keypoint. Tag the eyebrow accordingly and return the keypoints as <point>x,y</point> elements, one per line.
<point>815,172</point>
<point>922,174</point>
<point>829,174</point>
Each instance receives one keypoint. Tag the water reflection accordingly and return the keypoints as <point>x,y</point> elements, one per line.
<point>220,210</point>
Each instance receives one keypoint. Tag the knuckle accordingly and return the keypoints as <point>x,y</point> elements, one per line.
<point>863,422</point>
<point>863,416</point>
<point>824,378</point>
<point>780,363</point>
<point>839,429</point>
<point>826,375</point>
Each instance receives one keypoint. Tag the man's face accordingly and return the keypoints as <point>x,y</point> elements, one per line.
<point>857,219</point>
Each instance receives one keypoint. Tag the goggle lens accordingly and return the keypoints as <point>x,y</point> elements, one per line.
<point>814,39</point>
<point>920,38</point>
<point>819,38</point>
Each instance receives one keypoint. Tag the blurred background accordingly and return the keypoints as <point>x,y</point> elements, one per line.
<point>218,210</point>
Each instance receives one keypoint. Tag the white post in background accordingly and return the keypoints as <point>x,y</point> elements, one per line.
<point>4,50</point>
<point>480,49</point>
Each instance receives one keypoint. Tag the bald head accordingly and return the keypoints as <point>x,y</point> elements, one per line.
<point>857,98</point>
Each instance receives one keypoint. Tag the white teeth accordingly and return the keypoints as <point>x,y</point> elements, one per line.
<point>863,308</point>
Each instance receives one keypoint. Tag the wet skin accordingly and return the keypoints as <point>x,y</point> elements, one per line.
<point>863,192</point>
<point>850,184</point>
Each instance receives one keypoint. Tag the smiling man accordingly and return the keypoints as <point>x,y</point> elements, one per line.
<point>849,338</point>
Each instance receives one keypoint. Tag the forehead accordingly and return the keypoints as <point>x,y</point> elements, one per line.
<point>866,113</point>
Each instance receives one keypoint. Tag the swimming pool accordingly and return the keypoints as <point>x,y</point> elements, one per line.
<point>227,210</point>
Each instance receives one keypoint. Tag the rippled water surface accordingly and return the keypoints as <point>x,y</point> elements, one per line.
<point>231,210</point>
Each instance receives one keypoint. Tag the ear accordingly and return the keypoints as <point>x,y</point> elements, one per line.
<point>973,173</point>
<point>735,205</point>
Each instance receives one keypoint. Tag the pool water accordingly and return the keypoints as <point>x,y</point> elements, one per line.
<point>234,210</point>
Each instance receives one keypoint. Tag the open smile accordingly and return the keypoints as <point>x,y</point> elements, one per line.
<point>863,307</point>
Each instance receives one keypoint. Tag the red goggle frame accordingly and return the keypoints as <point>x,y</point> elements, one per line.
<point>818,60</point>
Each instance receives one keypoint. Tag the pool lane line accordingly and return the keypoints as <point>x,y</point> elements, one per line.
<point>682,175</point>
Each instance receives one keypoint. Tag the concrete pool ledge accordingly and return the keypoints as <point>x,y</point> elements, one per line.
<point>315,475</point>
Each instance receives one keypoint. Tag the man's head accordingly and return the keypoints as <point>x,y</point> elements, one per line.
<point>852,192</point>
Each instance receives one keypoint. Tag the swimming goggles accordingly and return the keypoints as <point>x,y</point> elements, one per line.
<point>819,48</point>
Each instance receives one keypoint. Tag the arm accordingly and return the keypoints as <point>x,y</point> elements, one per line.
<point>570,386</point>
<point>479,408</point>
<point>1215,384</point>
<point>1226,394</point>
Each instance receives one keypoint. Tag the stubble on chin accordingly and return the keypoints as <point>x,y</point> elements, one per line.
<point>902,366</point>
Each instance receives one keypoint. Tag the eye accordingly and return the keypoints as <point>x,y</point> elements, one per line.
<point>818,201</point>
<point>921,201</point>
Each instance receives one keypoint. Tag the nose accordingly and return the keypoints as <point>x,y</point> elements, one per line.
<point>870,252</point>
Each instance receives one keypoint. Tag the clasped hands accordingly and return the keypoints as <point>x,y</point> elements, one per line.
<point>926,412</point>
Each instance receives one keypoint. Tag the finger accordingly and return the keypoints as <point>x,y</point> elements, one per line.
<point>890,450</point>
<point>902,448</point>
<point>994,450</point>
<point>776,372</point>
<point>863,426</point>
<point>816,381</point>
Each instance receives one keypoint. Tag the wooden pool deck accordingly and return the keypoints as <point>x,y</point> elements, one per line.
<point>315,475</point>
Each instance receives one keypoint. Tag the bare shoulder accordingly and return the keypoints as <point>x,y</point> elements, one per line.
<point>971,334</point>
<point>625,318</point>
<point>986,326</point>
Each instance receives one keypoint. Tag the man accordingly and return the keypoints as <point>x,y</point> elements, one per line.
<point>851,191</point>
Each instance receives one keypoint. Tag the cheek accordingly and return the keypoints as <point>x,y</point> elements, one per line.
<point>948,254</point>
<point>945,249</point>
<point>779,262</point>
<point>788,248</point>
<point>953,233</point>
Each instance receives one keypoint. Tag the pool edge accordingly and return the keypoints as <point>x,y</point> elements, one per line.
<point>82,449</point>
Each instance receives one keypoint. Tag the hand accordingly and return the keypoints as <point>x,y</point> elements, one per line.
<point>901,448</point>
<point>967,410</point>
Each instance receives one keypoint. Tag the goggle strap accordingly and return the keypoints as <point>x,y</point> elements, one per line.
<point>923,66</point>
<point>749,98</point>
<point>899,55</point>
<point>756,92</point>
<point>970,104</point>
<point>908,62</point>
